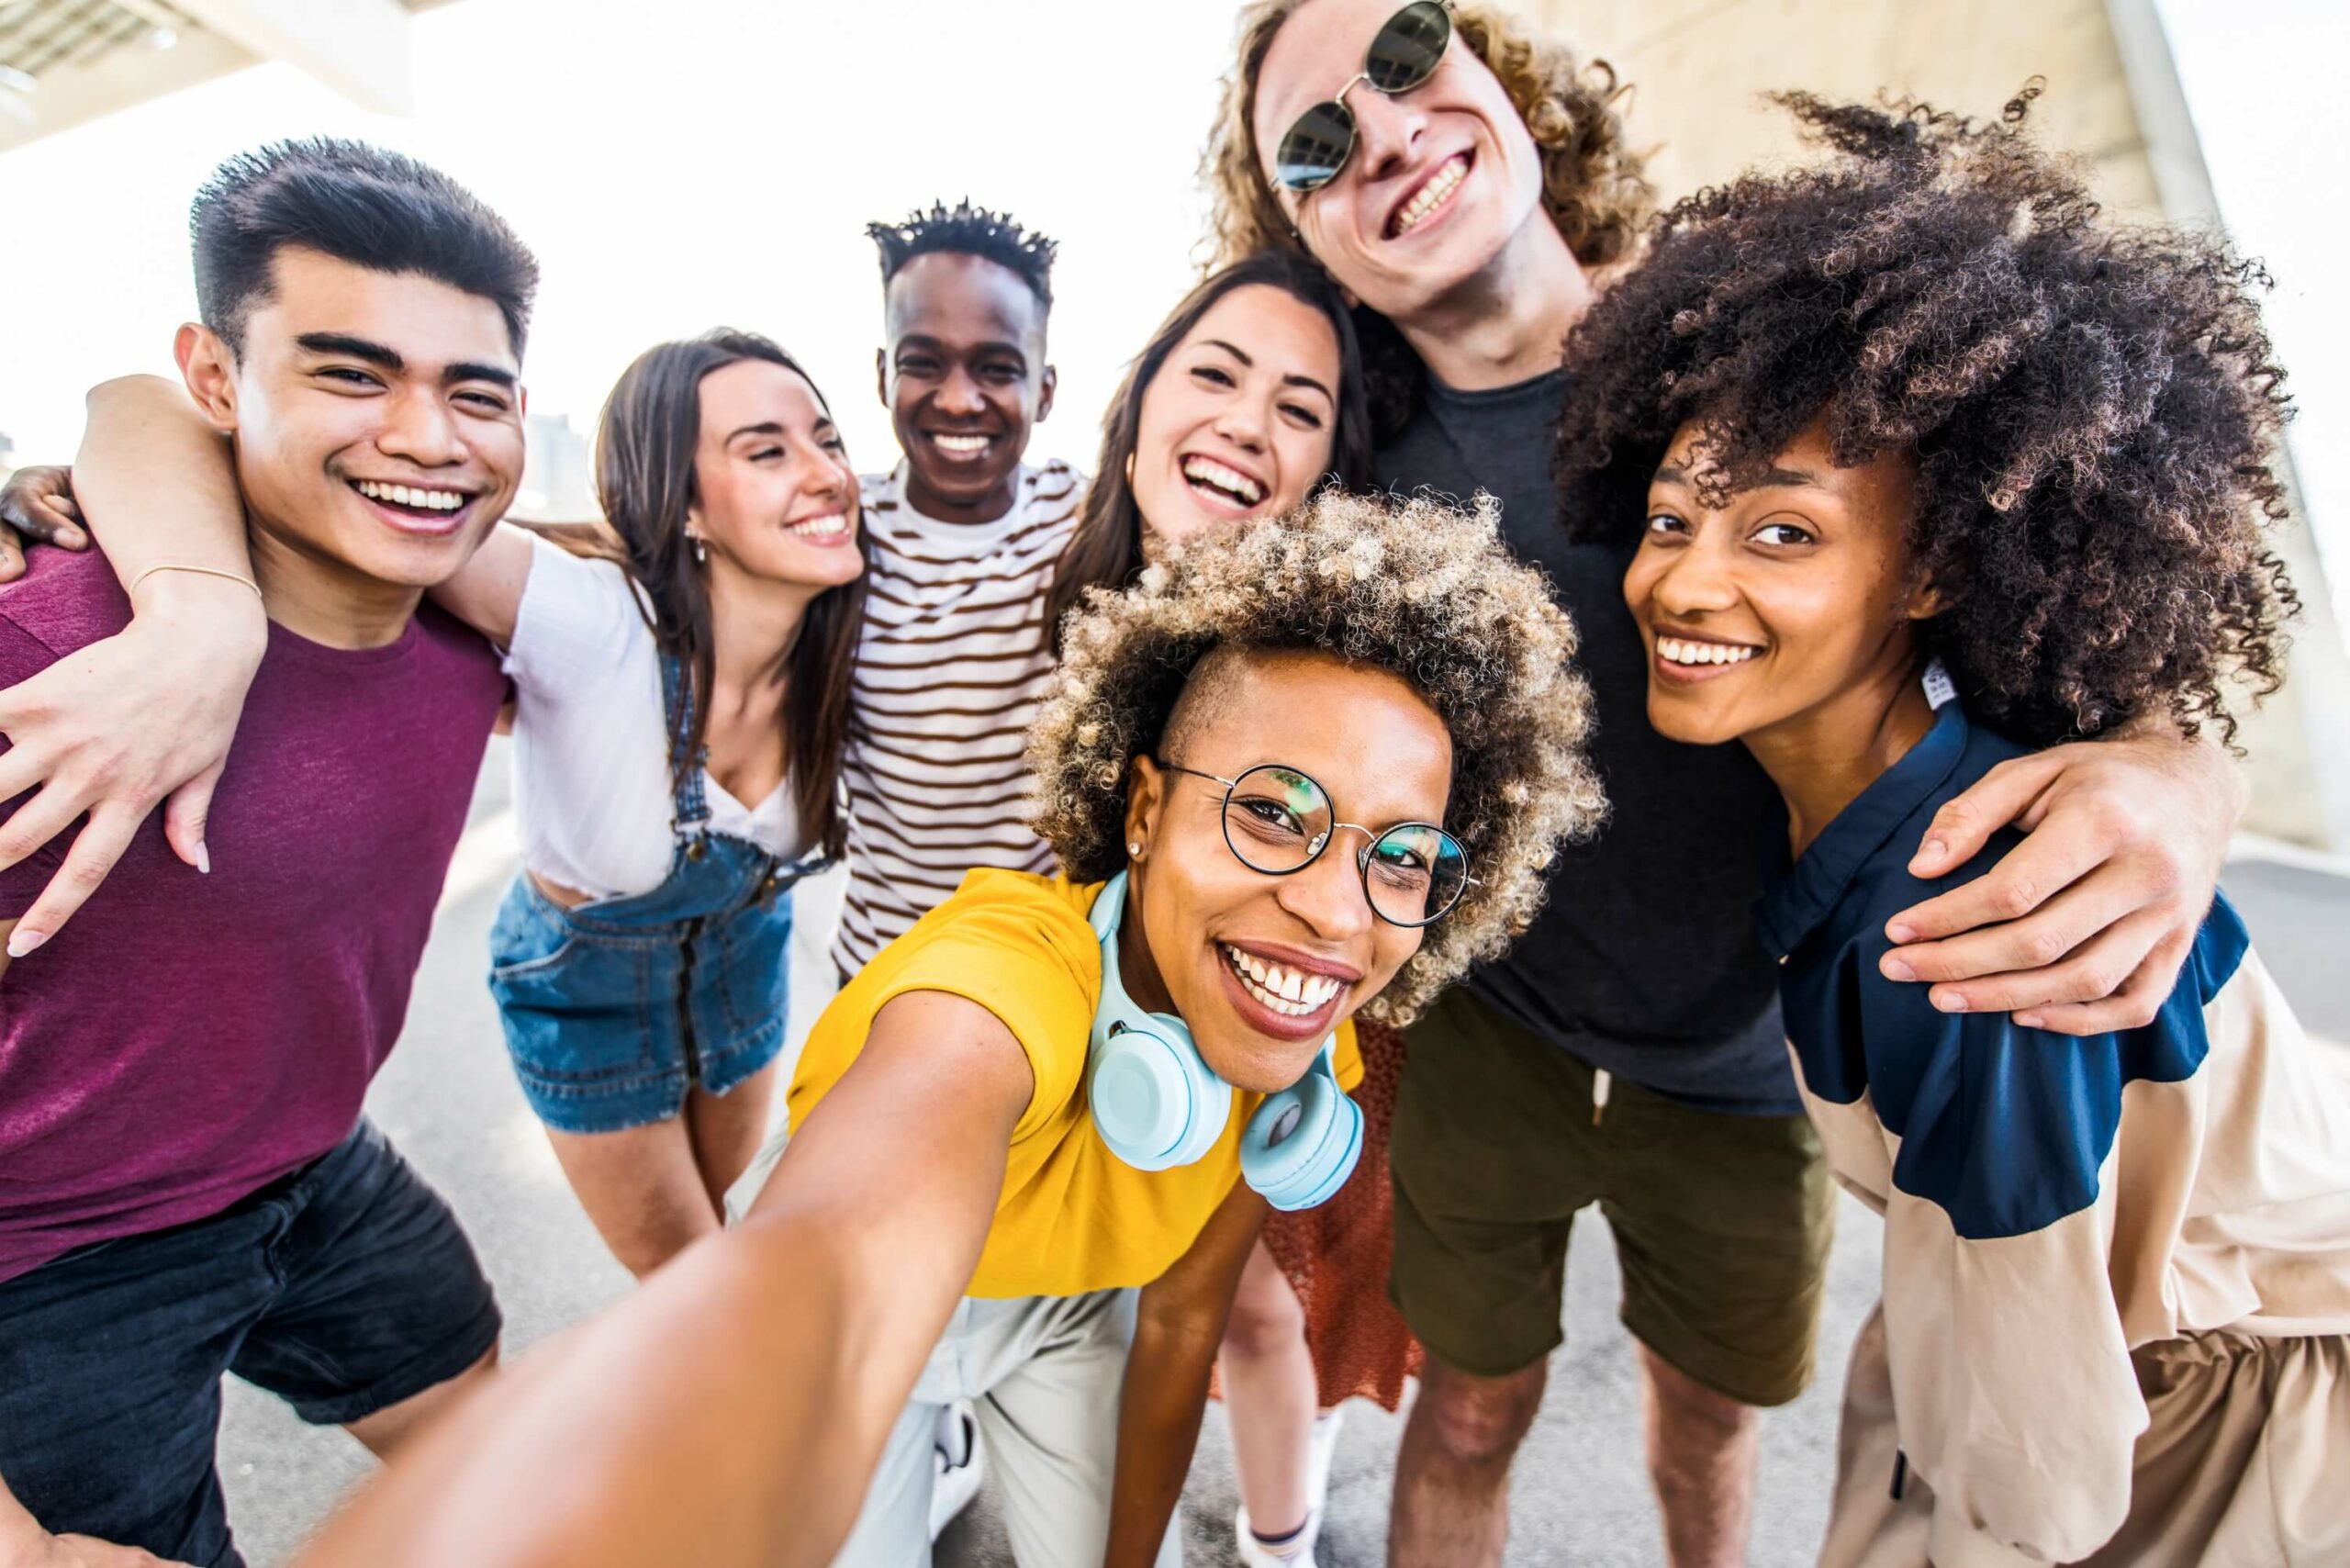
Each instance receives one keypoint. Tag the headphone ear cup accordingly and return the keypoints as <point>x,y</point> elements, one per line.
<point>1154,1102</point>
<point>1302,1143</point>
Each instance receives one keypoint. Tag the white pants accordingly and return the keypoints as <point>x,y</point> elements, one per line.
<point>1042,1375</point>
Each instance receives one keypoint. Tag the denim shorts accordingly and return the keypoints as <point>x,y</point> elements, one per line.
<point>614,1010</point>
<point>343,1288</point>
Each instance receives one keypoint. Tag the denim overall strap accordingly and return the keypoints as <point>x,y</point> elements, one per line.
<point>689,812</point>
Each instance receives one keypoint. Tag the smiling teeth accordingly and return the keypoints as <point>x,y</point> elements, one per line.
<point>962,445</point>
<point>412,496</point>
<point>1208,471</point>
<point>1431,196</point>
<point>1680,651</point>
<point>832,525</point>
<point>1293,993</point>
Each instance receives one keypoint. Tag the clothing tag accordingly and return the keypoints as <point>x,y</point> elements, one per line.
<point>1939,688</point>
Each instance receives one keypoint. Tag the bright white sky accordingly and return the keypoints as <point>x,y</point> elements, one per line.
<point>675,167</point>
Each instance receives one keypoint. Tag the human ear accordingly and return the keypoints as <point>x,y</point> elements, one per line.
<point>1045,390</point>
<point>209,369</point>
<point>1145,798</point>
<point>1926,601</point>
<point>881,375</point>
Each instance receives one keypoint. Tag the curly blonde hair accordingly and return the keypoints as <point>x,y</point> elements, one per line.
<point>1593,181</point>
<point>1415,587</point>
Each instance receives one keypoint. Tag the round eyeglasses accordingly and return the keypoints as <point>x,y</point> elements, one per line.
<point>1278,820</point>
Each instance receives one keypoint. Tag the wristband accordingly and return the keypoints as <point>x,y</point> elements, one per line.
<point>132,592</point>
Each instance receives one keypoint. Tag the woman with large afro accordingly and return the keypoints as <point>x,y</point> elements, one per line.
<point>1922,466</point>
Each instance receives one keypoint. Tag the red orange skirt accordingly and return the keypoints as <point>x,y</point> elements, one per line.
<point>1336,1256</point>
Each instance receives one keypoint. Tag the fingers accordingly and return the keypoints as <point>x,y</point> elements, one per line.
<point>96,849</point>
<point>12,557</point>
<point>1966,823</point>
<point>2091,972</point>
<point>2133,1006</point>
<point>2027,875</point>
<point>186,811</point>
<point>38,502</point>
<point>21,767</point>
<point>2046,931</point>
<point>34,823</point>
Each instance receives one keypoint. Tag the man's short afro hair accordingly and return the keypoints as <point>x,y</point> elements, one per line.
<point>968,230</point>
<point>2093,410</point>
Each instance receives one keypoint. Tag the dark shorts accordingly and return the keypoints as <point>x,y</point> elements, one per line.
<point>1722,1222</point>
<point>344,1288</point>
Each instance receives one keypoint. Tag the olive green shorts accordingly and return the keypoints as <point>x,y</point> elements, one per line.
<point>1722,1222</point>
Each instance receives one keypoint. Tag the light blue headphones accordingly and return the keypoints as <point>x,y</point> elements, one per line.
<point>1157,1104</point>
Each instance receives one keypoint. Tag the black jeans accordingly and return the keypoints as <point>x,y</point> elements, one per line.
<point>344,1288</point>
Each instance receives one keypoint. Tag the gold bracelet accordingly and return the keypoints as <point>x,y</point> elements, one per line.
<point>132,592</point>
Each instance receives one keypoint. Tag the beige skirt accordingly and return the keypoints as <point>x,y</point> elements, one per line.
<point>2244,1462</point>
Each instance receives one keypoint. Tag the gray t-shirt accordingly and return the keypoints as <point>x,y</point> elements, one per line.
<point>1644,960</point>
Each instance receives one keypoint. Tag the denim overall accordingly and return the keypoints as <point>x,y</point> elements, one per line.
<point>614,1009</point>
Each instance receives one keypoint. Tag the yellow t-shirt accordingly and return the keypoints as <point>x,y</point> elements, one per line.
<point>1074,1217</point>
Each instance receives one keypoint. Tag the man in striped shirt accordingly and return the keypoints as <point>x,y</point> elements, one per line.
<point>964,540</point>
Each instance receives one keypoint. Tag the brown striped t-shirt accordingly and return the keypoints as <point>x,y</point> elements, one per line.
<point>952,663</point>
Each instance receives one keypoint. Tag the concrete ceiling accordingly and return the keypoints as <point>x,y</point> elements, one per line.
<point>64,61</point>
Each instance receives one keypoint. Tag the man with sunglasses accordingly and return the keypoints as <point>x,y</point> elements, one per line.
<point>1462,179</point>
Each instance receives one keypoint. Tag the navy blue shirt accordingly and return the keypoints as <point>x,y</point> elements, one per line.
<point>1643,959</point>
<point>2004,1128</point>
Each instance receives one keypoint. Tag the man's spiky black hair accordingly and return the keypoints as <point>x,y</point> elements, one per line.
<point>373,208</point>
<point>968,230</point>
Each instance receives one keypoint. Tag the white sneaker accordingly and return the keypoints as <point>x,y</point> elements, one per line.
<point>957,1467</point>
<point>1320,1450</point>
<point>1250,1552</point>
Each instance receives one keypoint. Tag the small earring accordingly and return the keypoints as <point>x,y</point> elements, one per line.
<point>701,550</point>
<point>1134,849</point>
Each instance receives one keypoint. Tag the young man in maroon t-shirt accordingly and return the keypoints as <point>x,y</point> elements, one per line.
<point>186,1184</point>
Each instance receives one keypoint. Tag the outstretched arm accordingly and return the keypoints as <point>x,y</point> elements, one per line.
<point>1178,1323</point>
<point>2082,927</point>
<point>730,1411</point>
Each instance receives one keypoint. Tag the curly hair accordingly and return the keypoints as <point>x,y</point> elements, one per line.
<point>1414,588</point>
<point>1594,185</point>
<point>2093,411</point>
<point>968,230</point>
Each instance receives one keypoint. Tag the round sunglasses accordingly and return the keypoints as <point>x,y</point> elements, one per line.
<point>1278,820</point>
<point>1404,54</point>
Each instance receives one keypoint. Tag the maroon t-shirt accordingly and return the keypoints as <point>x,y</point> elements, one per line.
<point>188,1039</point>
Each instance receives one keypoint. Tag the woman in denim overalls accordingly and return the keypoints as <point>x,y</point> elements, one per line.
<point>640,960</point>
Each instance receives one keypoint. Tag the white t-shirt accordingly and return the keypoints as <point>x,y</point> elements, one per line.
<point>953,660</point>
<point>591,738</point>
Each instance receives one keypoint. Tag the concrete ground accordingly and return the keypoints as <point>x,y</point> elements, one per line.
<point>1579,1493</point>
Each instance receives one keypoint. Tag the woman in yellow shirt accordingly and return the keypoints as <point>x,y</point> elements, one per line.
<point>1306,771</point>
